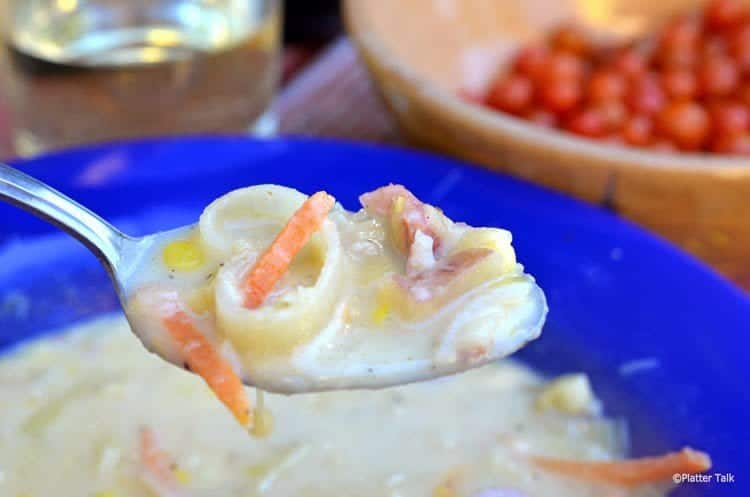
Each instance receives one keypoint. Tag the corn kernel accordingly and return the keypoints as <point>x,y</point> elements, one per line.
<point>382,308</point>
<point>380,313</point>
<point>201,300</point>
<point>181,475</point>
<point>570,393</point>
<point>183,255</point>
<point>104,493</point>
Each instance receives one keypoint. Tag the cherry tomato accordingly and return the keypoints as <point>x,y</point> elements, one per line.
<point>718,76</point>
<point>743,93</point>
<point>732,144</point>
<point>723,13</point>
<point>679,57</point>
<point>729,118</point>
<point>614,114</point>
<point>587,122</point>
<point>682,32</point>
<point>638,130</point>
<point>513,93</point>
<point>630,62</point>
<point>739,46</point>
<point>645,95</point>
<point>663,145</point>
<point>570,39</point>
<point>685,123</point>
<point>606,85</point>
<point>714,46</point>
<point>531,60</point>
<point>679,83</point>
<point>562,66</point>
<point>560,96</point>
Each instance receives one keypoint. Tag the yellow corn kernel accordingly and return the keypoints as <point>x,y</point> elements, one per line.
<point>382,308</point>
<point>449,486</point>
<point>183,255</point>
<point>489,238</point>
<point>569,393</point>
<point>182,476</point>
<point>201,300</point>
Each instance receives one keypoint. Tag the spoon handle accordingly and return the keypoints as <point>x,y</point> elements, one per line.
<point>30,194</point>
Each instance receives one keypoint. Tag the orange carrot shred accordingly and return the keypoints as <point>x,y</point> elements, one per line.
<point>274,262</point>
<point>155,462</point>
<point>203,359</point>
<point>630,472</point>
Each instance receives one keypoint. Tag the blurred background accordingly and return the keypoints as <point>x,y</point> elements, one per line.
<point>417,74</point>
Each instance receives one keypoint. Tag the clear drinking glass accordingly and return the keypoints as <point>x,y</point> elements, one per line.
<point>81,71</point>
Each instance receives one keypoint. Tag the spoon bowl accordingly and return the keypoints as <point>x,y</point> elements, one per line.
<point>385,360</point>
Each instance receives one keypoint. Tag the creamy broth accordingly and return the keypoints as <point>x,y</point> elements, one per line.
<point>394,293</point>
<point>72,407</point>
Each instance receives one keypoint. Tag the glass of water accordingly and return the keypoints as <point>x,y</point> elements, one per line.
<point>82,71</point>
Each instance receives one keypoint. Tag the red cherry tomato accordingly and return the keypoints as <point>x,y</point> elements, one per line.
<point>638,130</point>
<point>614,114</point>
<point>724,13</point>
<point>560,96</point>
<point>531,60</point>
<point>629,62</point>
<point>663,145</point>
<point>570,39</point>
<point>682,31</point>
<point>742,93</point>
<point>729,118</point>
<point>679,83</point>
<point>685,123</point>
<point>513,93</point>
<point>562,66</point>
<point>645,95</point>
<point>587,122</point>
<point>606,85</point>
<point>732,144</point>
<point>679,57</point>
<point>739,46</point>
<point>714,46</point>
<point>718,76</point>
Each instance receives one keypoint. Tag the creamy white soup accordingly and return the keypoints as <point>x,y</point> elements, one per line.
<point>295,294</point>
<point>75,406</point>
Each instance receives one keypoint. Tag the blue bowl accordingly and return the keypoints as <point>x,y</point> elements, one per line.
<point>663,338</point>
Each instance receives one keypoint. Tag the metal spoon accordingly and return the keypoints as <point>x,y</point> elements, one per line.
<point>120,254</point>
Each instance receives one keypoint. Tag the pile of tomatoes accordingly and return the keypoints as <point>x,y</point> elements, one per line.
<point>685,87</point>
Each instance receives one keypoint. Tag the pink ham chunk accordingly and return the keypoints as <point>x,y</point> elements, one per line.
<point>414,218</point>
<point>426,285</point>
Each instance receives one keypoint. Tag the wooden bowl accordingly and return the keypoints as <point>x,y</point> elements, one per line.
<point>419,52</point>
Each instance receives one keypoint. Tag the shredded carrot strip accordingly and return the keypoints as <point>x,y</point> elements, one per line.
<point>630,472</point>
<point>155,463</point>
<point>203,359</point>
<point>274,262</point>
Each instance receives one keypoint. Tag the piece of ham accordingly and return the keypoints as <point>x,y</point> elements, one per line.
<point>429,283</point>
<point>415,216</point>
